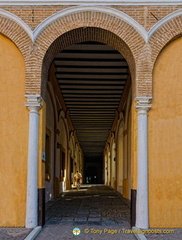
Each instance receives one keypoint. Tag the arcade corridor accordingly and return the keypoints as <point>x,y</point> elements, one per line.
<point>95,209</point>
<point>88,108</point>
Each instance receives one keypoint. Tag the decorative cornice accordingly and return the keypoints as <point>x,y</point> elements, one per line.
<point>33,101</point>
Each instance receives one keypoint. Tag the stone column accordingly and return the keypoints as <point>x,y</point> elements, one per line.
<point>33,104</point>
<point>142,220</point>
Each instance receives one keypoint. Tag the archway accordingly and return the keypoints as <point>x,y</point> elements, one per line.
<point>91,175</point>
<point>88,72</point>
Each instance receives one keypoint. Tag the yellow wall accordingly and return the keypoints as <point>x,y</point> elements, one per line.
<point>134,130</point>
<point>13,135</point>
<point>42,134</point>
<point>165,139</point>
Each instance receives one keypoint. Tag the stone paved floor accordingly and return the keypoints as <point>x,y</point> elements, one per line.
<point>98,211</point>
<point>176,235</point>
<point>14,233</point>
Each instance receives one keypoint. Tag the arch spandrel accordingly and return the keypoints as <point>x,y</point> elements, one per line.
<point>164,32</point>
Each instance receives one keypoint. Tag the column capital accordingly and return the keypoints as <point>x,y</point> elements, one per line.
<point>143,103</point>
<point>33,102</point>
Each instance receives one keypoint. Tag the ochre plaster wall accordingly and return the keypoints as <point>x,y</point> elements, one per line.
<point>13,135</point>
<point>165,135</point>
<point>42,134</point>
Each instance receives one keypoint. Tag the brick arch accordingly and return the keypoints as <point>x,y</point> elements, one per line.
<point>17,31</point>
<point>85,34</point>
<point>131,40</point>
<point>90,15</point>
<point>165,31</point>
<point>169,31</point>
<point>21,35</point>
<point>144,72</point>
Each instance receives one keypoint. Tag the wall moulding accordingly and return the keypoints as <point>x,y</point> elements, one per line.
<point>90,2</point>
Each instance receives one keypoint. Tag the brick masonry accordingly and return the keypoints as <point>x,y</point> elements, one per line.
<point>91,25</point>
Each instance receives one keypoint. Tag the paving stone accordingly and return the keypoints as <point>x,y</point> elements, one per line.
<point>83,212</point>
<point>94,216</point>
<point>14,233</point>
<point>94,219</point>
<point>176,235</point>
<point>67,219</point>
<point>108,221</point>
<point>81,219</point>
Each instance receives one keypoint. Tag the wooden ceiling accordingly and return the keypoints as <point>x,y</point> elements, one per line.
<point>92,77</point>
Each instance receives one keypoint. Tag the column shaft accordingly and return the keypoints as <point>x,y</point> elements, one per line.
<point>32,166</point>
<point>142,189</point>
<point>31,206</point>
<point>142,218</point>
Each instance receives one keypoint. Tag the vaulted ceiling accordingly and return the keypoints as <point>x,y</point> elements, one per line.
<point>92,77</point>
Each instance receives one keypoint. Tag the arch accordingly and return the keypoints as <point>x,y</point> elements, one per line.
<point>91,174</point>
<point>17,20</point>
<point>79,9</point>
<point>164,32</point>
<point>21,35</point>
<point>163,21</point>
<point>81,35</point>
<point>72,19</point>
<point>17,31</point>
